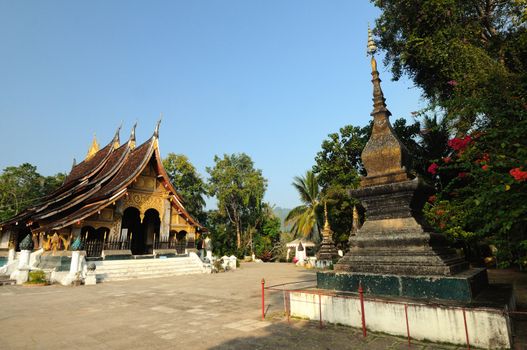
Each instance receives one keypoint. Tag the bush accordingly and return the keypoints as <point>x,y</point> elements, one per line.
<point>37,277</point>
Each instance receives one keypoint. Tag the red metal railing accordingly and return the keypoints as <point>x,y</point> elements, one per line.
<point>360,296</point>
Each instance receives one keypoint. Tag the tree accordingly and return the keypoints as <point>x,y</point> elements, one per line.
<point>304,218</point>
<point>456,48</point>
<point>339,161</point>
<point>469,57</point>
<point>267,235</point>
<point>239,189</point>
<point>22,186</point>
<point>187,182</point>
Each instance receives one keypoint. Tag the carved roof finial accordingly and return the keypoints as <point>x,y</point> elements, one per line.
<point>156,130</point>
<point>94,148</point>
<point>74,163</point>
<point>116,139</point>
<point>131,142</point>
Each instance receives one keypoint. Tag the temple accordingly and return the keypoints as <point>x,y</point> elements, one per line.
<point>118,200</point>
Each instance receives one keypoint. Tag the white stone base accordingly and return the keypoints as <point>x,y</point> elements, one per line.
<point>21,275</point>
<point>487,327</point>
<point>91,279</point>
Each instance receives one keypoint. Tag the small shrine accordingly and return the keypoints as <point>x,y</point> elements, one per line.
<point>302,248</point>
<point>327,252</point>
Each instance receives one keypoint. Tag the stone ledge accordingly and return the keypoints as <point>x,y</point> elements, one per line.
<point>464,286</point>
<point>487,327</point>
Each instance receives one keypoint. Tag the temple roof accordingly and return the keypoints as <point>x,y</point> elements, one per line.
<point>97,182</point>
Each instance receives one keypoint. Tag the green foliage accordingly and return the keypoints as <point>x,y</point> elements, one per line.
<point>187,183</point>
<point>469,59</point>
<point>339,161</point>
<point>239,189</point>
<point>437,41</point>
<point>265,239</point>
<point>486,202</point>
<point>37,277</point>
<point>338,167</point>
<point>305,219</point>
<point>22,187</point>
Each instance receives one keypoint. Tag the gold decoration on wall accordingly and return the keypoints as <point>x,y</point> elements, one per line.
<point>144,202</point>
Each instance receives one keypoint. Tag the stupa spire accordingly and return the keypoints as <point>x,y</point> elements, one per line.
<point>94,148</point>
<point>384,157</point>
<point>327,251</point>
<point>326,221</point>
<point>379,102</point>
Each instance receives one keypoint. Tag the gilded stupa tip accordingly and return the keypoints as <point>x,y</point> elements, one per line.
<point>326,221</point>
<point>94,148</point>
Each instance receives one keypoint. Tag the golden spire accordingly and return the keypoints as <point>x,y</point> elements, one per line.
<point>379,105</point>
<point>94,148</point>
<point>131,142</point>
<point>327,228</point>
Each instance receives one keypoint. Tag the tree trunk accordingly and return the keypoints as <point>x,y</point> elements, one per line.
<point>238,236</point>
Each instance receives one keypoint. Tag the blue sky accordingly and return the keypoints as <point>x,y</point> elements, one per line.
<point>271,78</point>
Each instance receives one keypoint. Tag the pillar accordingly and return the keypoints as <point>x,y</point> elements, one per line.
<point>11,255</point>
<point>164,227</point>
<point>21,274</point>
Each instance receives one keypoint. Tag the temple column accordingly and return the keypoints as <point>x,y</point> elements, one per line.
<point>164,227</point>
<point>22,272</point>
<point>115,229</point>
<point>5,238</point>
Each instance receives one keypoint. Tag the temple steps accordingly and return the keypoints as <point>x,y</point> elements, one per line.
<point>119,270</point>
<point>6,281</point>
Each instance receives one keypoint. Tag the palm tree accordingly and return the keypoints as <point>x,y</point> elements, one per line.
<point>304,217</point>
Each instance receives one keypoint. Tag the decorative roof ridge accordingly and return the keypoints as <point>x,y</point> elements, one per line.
<point>128,180</point>
<point>68,204</point>
<point>131,140</point>
<point>116,140</point>
<point>92,209</point>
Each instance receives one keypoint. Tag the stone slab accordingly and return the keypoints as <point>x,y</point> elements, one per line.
<point>461,287</point>
<point>59,263</point>
<point>116,254</point>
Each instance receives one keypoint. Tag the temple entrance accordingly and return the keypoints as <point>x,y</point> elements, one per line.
<point>132,223</point>
<point>181,242</point>
<point>142,234</point>
<point>94,240</point>
<point>151,225</point>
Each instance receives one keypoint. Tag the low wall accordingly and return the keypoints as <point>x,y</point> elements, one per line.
<point>486,327</point>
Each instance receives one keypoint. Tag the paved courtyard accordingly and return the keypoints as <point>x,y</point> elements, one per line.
<point>219,311</point>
